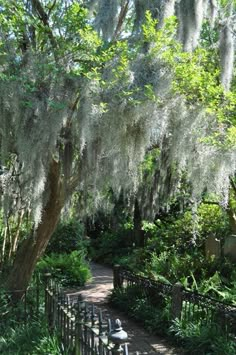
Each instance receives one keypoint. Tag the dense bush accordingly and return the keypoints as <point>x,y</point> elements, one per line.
<point>175,252</point>
<point>33,339</point>
<point>201,339</point>
<point>65,256</point>
<point>187,231</point>
<point>154,314</point>
<point>69,269</point>
<point>68,236</point>
<point>23,329</point>
<point>110,245</point>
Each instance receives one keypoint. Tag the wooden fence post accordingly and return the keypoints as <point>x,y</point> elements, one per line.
<point>177,301</point>
<point>117,278</point>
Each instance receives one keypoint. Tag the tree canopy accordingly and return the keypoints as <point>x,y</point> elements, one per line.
<point>88,88</point>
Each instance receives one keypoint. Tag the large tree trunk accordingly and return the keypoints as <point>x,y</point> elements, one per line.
<point>232,206</point>
<point>232,217</point>
<point>33,247</point>
<point>138,233</point>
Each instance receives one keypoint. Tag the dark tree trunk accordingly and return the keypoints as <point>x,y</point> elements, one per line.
<point>138,233</point>
<point>232,217</point>
<point>231,208</point>
<point>33,247</point>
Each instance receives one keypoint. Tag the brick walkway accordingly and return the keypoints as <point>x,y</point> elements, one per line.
<point>97,290</point>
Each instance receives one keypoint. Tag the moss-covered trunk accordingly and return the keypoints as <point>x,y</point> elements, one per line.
<point>33,247</point>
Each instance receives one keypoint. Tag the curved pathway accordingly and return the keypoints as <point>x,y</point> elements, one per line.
<point>97,290</point>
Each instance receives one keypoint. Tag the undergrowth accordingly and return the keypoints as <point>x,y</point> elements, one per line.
<point>69,269</point>
<point>28,339</point>
<point>23,330</point>
<point>153,311</point>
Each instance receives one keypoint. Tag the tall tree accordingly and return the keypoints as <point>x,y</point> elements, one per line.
<point>88,87</point>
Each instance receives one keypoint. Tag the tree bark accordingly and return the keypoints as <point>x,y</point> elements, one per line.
<point>231,208</point>
<point>33,247</point>
<point>232,217</point>
<point>137,231</point>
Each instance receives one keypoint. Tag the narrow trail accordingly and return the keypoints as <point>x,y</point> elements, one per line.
<point>97,290</point>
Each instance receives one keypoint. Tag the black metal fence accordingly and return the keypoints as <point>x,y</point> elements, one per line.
<point>81,328</point>
<point>195,306</point>
<point>185,305</point>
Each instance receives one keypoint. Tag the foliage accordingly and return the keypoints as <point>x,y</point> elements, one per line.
<point>68,236</point>
<point>33,338</point>
<point>202,338</point>
<point>138,304</point>
<point>153,312</point>
<point>94,106</point>
<point>22,325</point>
<point>191,227</point>
<point>69,269</point>
<point>132,258</point>
<point>176,248</point>
<point>196,74</point>
<point>175,251</point>
<point>107,246</point>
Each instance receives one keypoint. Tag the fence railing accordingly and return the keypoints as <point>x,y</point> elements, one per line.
<point>185,305</point>
<point>81,328</point>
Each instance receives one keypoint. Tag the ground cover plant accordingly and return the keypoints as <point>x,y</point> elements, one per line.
<point>199,338</point>
<point>28,339</point>
<point>137,304</point>
<point>68,269</point>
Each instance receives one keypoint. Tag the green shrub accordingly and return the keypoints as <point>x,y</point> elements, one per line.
<point>108,246</point>
<point>186,230</point>
<point>33,339</point>
<point>196,337</point>
<point>135,260</point>
<point>67,237</point>
<point>69,269</point>
<point>202,339</point>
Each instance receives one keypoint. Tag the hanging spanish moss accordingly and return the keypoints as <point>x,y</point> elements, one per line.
<point>175,128</point>
<point>30,125</point>
<point>106,18</point>
<point>111,130</point>
<point>140,9</point>
<point>226,55</point>
<point>213,12</point>
<point>190,14</point>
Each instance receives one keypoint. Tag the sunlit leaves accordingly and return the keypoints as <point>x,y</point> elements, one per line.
<point>195,76</point>
<point>162,39</point>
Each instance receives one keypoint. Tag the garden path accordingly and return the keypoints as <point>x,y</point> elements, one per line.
<point>97,290</point>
